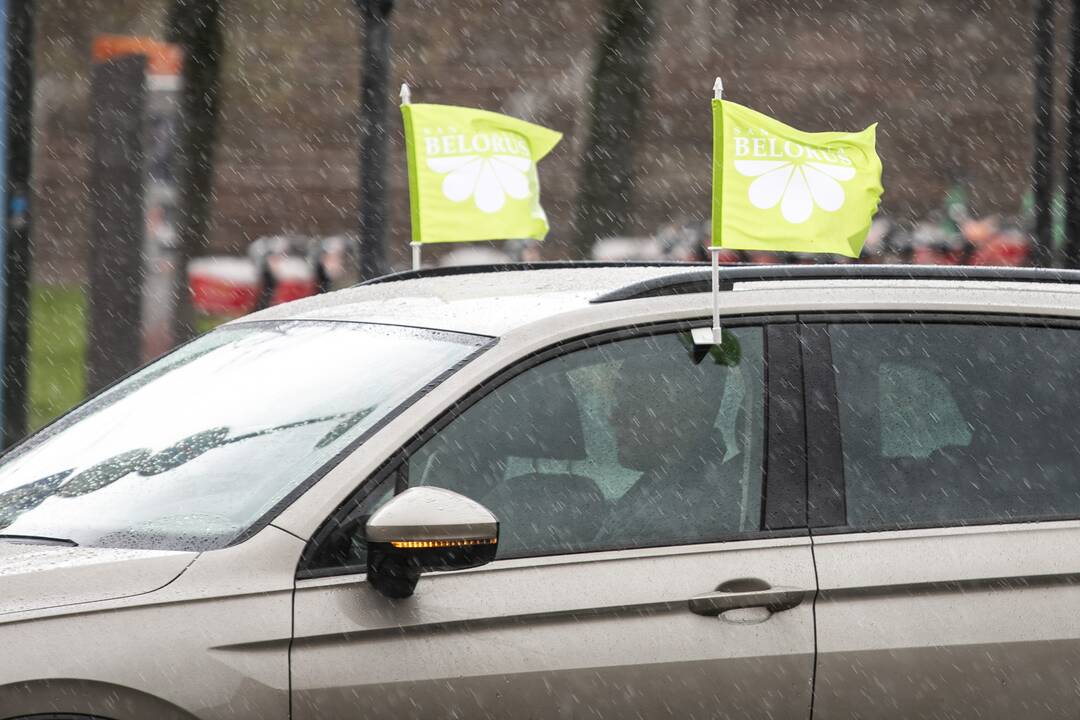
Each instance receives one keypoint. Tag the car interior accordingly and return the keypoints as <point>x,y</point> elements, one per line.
<point>541,452</point>
<point>934,432</point>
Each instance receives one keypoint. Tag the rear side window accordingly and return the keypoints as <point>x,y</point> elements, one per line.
<point>946,424</point>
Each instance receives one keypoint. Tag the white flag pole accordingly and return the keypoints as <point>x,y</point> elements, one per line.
<point>406,98</point>
<point>714,252</point>
<point>706,337</point>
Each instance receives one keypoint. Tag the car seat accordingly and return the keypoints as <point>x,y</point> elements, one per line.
<point>536,419</point>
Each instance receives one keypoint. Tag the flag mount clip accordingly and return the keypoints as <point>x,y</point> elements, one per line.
<point>706,337</point>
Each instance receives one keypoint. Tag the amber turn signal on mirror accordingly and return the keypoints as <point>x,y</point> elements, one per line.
<point>423,544</point>
<point>426,529</point>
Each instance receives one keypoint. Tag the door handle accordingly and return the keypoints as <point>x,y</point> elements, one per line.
<point>774,599</point>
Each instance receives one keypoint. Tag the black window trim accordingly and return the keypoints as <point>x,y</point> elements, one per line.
<point>826,502</point>
<point>826,487</point>
<point>784,505</point>
<point>395,468</point>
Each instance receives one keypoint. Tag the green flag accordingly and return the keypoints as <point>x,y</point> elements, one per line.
<point>778,188</point>
<point>472,174</point>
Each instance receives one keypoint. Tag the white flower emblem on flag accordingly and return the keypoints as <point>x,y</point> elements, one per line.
<point>797,187</point>
<point>487,179</point>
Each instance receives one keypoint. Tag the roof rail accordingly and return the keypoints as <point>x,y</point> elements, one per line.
<point>451,270</point>
<point>700,281</point>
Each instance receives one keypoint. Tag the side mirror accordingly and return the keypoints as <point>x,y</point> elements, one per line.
<point>425,529</point>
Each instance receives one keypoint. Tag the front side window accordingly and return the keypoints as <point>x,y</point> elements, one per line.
<point>190,452</point>
<point>952,424</point>
<point>635,443</point>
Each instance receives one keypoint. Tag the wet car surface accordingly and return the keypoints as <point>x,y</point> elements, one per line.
<point>530,493</point>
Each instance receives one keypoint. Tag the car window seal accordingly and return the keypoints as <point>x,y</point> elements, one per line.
<point>37,540</point>
<point>354,569</point>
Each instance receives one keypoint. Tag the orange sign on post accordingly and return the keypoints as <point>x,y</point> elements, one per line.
<point>162,58</point>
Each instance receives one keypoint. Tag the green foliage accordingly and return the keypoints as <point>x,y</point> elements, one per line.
<point>57,351</point>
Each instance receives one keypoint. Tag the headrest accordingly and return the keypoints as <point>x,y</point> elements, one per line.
<point>672,386</point>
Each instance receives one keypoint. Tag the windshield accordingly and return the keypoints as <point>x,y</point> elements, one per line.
<point>191,451</point>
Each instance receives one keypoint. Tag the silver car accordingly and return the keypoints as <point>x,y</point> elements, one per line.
<point>529,494</point>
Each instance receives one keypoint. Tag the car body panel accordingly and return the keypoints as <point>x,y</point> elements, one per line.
<point>213,644</point>
<point>951,622</point>
<point>481,304</point>
<point>603,634</point>
<point>36,577</point>
<point>499,304</point>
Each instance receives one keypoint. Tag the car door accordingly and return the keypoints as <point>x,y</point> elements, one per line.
<point>945,490</point>
<point>646,566</point>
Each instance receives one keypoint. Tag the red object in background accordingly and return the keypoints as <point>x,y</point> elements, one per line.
<point>229,286</point>
<point>991,245</point>
<point>288,290</point>
<point>294,278</point>
<point>223,285</point>
<point>213,296</point>
<point>761,257</point>
<point>937,256</point>
<point>1002,251</point>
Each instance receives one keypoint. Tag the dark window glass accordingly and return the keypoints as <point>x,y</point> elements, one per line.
<point>958,424</point>
<point>628,444</point>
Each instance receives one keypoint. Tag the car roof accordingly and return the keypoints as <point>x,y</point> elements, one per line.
<point>495,300</point>
<point>482,303</point>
